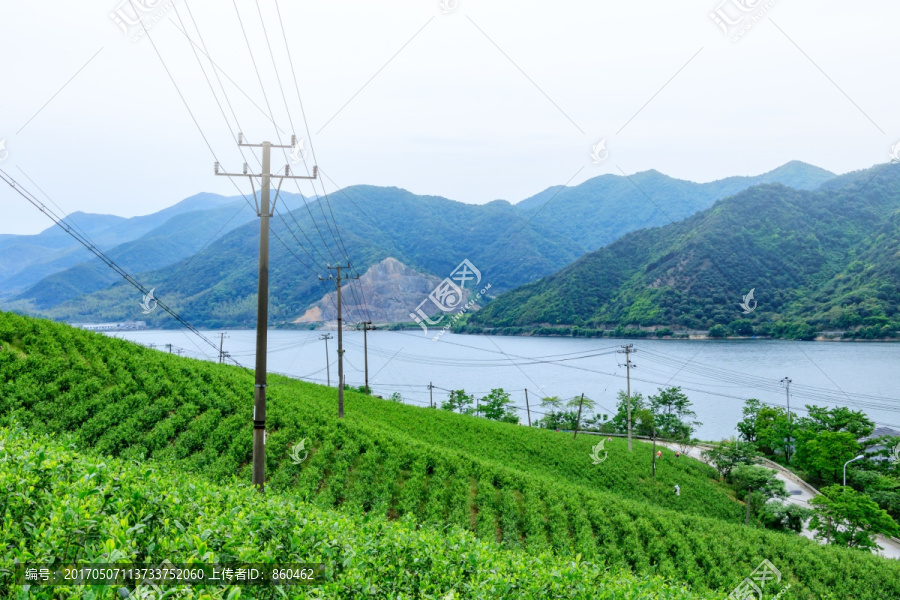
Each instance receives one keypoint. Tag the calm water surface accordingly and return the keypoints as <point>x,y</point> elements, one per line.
<point>716,375</point>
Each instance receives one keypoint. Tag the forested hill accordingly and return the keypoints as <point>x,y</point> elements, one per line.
<point>602,209</point>
<point>217,287</point>
<point>511,244</point>
<point>816,260</point>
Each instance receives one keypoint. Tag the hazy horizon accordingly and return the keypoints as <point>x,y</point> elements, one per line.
<point>479,102</point>
<point>331,193</point>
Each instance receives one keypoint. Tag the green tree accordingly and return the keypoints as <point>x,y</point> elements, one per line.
<point>495,406</point>
<point>396,397</point>
<point>759,483</point>
<point>845,517</point>
<point>459,401</point>
<point>586,406</point>
<point>741,327</point>
<point>619,422</point>
<point>836,419</point>
<point>783,517</point>
<point>728,455</point>
<point>581,407</point>
<point>747,426</point>
<point>552,402</point>
<point>673,414</point>
<point>759,479</point>
<point>823,454</point>
<point>558,420</point>
<point>717,331</point>
<point>767,427</point>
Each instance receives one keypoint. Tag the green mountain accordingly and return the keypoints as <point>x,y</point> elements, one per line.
<point>533,495</point>
<point>510,245</point>
<point>26,259</point>
<point>604,208</point>
<point>217,286</point>
<point>816,260</point>
<point>178,238</point>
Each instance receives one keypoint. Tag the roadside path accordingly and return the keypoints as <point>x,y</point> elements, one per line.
<point>800,493</point>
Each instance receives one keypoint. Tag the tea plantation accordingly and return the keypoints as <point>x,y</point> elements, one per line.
<point>444,477</point>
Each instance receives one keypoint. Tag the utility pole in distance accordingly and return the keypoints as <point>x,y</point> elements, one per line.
<point>527,408</point>
<point>326,337</point>
<point>628,351</point>
<point>222,337</point>
<point>578,420</point>
<point>431,394</point>
<point>340,326</point>
<point>264,212</point>
<point>786,382</point>
<point>366,327</point>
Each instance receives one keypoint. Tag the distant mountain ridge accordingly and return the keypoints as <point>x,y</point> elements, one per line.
<point>601,209</point>
<point>512,244</point>
<point>179,237</point>
<point>26,259</point>
<point>823,259</point>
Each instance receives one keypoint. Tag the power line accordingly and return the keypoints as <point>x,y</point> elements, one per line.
<point>98,253</point>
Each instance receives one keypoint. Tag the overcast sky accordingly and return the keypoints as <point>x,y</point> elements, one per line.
<point>492,99</point>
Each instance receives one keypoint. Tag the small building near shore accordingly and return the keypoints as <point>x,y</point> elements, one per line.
<point>125,326</point>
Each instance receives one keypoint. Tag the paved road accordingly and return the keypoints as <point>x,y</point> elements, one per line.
<point>801,494</point>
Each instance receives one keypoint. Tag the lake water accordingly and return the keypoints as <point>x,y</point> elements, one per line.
<point>716,375</point>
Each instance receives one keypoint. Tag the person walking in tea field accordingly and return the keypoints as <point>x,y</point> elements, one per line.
<point>677,490</point>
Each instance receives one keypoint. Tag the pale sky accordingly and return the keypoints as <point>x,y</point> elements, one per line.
<point>494,99</point>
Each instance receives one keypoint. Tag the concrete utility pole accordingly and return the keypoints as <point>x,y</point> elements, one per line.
<point>628,351</point>
<point>340,327</point>
<point>222,337</point>
<point>431,394</point>
<point>169,346</point>
<point>264,212</point>
<point>527,408</point>
<point>326,337</point>
<point>578,420</point>
<point>786,382</point>
<point>367,327</point>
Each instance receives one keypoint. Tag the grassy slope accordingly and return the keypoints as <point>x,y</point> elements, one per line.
<point>138,513</point>
<point>506,483</point>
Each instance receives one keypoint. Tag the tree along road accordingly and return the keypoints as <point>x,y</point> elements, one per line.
<point>800,493</point>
